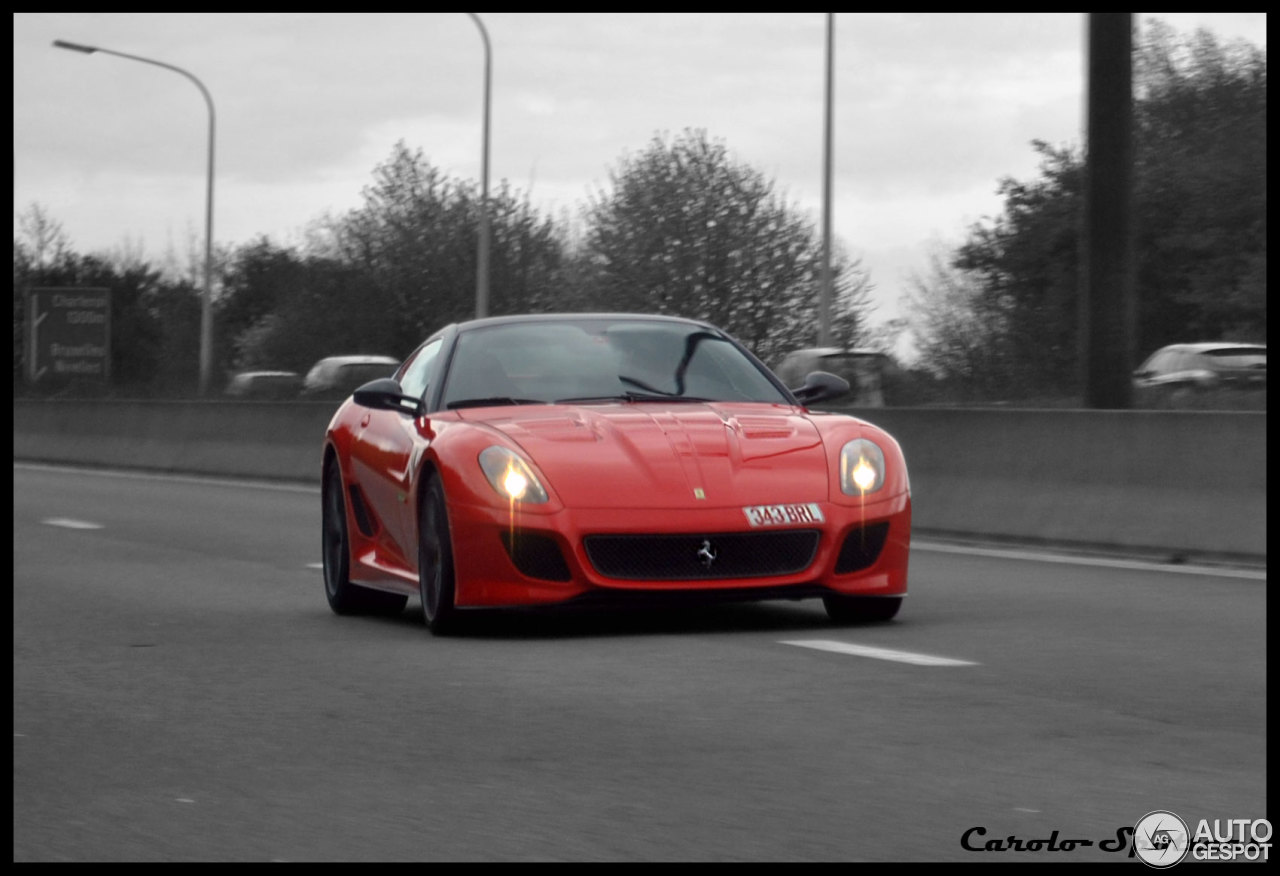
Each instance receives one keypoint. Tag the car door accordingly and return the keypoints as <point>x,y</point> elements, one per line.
<point>387,450</point>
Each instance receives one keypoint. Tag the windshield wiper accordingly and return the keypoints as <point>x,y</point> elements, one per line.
<point>492,401</point>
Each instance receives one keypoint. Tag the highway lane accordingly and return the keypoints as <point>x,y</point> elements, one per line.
<point>182,692</point>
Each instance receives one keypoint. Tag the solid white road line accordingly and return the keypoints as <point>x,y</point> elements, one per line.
<point>878,653</point>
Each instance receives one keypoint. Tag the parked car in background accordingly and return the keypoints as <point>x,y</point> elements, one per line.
<point>863,369</point>
<point>338,376</point>
<point>265,385</point>
<point>1221,375</point>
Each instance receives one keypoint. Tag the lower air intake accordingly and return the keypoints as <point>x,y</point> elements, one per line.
<point>861,548</point>
<point>535,555</point>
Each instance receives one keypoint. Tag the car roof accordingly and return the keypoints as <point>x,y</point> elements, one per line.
<point>359,360</point>
<point>1205,346</point>
<point>514,319</point>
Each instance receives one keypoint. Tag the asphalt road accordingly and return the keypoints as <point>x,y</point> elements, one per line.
<point>183,693</point>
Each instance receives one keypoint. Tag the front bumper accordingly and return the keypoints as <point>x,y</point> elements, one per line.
<point>506,558</point>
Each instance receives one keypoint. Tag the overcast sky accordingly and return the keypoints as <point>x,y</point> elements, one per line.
<point>931,111</point>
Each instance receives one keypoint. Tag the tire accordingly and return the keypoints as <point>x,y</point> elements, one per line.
<point>861,609</point>
<point>345,597</point>
<point>435,561</point>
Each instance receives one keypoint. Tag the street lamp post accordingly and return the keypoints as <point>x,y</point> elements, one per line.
<point>206,305</point>
<point>482,247</point>
<point>825,293</point>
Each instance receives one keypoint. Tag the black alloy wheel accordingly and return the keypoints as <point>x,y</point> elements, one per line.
<point>435,561</point>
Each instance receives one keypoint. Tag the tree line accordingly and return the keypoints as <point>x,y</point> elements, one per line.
<point>684,227</point>
<point>997,318</point>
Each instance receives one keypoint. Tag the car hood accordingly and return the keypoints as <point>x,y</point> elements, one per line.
<point>669,456</point>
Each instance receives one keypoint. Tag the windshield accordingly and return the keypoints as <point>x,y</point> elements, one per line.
<point>603,359</point>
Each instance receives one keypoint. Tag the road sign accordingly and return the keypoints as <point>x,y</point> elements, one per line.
<point>69,334</point>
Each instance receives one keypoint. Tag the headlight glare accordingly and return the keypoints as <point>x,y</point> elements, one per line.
<point>861,467</point>
<point>510,476</point>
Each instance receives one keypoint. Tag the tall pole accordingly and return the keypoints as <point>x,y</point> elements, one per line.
<point>1108,301</point>
<point>824,292</point>
<point>206,304</point>
<point>482,247</point>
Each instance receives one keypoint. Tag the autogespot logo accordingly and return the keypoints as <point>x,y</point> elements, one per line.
<point>1161,839</point>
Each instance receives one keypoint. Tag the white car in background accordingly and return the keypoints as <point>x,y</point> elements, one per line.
<point>1224,375</point>
<point>264,385</point>
<point>338,376</point>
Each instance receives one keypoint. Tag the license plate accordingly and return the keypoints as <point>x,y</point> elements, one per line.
<point>783,515</point>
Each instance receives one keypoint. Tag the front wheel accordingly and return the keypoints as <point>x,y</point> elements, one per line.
<point>345,597</point>
<point>861,609</point>
<point>435,561</point>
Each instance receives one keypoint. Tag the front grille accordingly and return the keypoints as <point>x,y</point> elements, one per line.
<point>861,547</point>
<point>707,557</point>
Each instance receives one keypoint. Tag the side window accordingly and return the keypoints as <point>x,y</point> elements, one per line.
<point>418,370</point>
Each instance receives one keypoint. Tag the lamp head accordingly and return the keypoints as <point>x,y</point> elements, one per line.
<point>74,47</point>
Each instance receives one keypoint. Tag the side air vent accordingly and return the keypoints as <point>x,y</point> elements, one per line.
<point>364,517</point>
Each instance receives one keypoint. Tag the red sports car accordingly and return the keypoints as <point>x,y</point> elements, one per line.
<point>558,459</point>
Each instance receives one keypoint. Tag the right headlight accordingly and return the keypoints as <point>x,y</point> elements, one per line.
<point>861,467</point>
<point>510,476</point>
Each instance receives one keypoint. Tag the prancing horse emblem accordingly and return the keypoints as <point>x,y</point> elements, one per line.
<point>706,554</point>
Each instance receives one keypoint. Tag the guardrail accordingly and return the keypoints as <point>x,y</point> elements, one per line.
<point>1179,483</point>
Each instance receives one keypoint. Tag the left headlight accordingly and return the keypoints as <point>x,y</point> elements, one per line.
<point>861,467</point>
<point>511,476</point>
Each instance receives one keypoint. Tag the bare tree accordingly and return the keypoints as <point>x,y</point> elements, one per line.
<point>687,229</point>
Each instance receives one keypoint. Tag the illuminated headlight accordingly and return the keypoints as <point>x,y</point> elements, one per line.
<point>511,476</point>
<point>861,467</point>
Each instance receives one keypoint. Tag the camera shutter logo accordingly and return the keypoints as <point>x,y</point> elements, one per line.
<point>1161,839</point>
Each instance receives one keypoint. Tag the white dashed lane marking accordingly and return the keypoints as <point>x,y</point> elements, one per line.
<point>878,653</point>
<point>68,523</point>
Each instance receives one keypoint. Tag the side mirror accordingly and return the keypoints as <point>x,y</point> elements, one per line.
<point>820,386</point>
<point>385,394</point>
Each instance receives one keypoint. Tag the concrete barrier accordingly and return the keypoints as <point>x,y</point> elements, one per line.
<point>243,439</point>
<point>1184,483</point>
